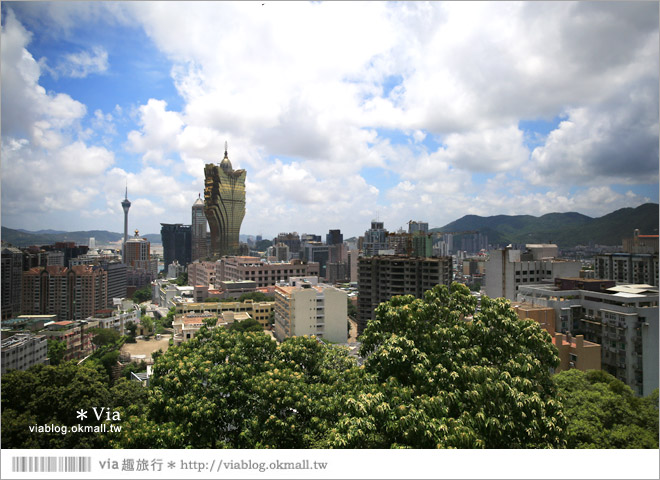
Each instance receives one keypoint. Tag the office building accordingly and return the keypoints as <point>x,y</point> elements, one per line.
<point>309,308</point>
<point>623,319</point>
<point>22,351</point>
<point>177,243</point>
<point>224,205</point>
<point>12,272</point>
<point>263,273</point>
<point>375,239</point>
<point>508,269</point>
<point>198,228</point>
<point>334,237</point>
<point>418,227</point>
<point>382,277</point>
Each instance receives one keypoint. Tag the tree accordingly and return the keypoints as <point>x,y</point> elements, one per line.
<point>449,377</point>
<point>255,296</point>
<point>56,351</point>
<point>142,295</point>
<point>182,280</point>
<point>351,308</point>
<point>104,336</point>
<point>51,395</point>
<point>147,323</point>
<point>247,325</point>
<point>603,412</point>
<point>242,390</point>
<point>131,327</point>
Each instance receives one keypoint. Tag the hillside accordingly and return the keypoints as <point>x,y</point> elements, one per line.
<point>25,238</point>
<point>564,229</point>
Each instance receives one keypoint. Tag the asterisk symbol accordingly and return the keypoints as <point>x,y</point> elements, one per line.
<point>171,465</point>
<point>82,414</point>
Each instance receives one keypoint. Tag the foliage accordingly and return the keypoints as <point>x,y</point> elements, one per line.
<point>147,323</point>
<point>169,318</point>
<point>262,245</point>
<point>227,389</point>
<point>51,395</point>
<point>212,299</point>
<point>134,367</point>
<point>603,412</point>
<point>104,336</point>
<point>255,296</point>
<point>248,325</point>
<point>447,379</point>
<point>351,309</point>
<point>182,280</point>
<point>142,295</point>
<point>56,351</point>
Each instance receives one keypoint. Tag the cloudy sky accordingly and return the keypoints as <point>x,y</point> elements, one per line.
<point>340,112</point>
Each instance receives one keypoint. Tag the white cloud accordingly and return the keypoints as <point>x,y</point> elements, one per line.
<point>84,63</point>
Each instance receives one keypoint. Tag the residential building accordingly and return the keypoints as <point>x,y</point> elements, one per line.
<point>76,335</point>
<point>260,311</point>
<point>263,273</point>
<point>623,319</point>
<point>70,293</point>
<point>278,252</point>
<point>198,230</point>
<point>418,227</point>
<point>291,240</point>
<point>202,273</point>
<point>638,268</point>
<point>12,272</point>
<point>224,205</point>
<point>508,269</point>
<point>177,243</point>
<point>22,351</point>
<point>309,308</point>
<point>641,243</point>
<point>382,277</point>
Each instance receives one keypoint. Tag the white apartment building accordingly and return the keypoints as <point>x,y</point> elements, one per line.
<point>508,269</point>
<point>23,350</point>
<point>309,308</point>
<point>623,319</point>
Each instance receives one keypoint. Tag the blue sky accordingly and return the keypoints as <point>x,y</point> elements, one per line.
<point>339,112</point>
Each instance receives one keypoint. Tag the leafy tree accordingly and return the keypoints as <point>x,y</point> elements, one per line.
<point>449,377</point>
<point>132,329</point>
<point>142,295</point>
<point>147,323</point>
<point>262,245</point>
<point>255,296</point>
<point>169,318</point>
<point>133,367</point>
<point>51,395</point>
<point>104,336</point>
<point>248,325</point>
<point>352,309</point>
<point>56,351</point>
<point>212,299</point>
<point>242,390</point>
<point>182,280</point>
<point>603,412</point>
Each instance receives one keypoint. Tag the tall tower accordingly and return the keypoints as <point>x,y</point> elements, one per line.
<point>224,205</point>
<point>125,204</point>
<point>199,250</point>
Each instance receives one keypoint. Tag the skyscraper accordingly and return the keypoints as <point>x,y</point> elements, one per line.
<point>224,205</point>
<point>177,243</point>
<point>199,251</point>
<point>125,204</point>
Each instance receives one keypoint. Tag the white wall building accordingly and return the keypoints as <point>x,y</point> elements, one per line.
<point>508,269</point>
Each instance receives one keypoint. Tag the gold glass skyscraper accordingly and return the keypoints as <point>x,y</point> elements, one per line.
<point>224,205</point>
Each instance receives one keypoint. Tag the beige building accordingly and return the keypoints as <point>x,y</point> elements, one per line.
<point>76,335</point>
<point>309,308</point>
<point>260,311</point>
<point>545,316</point>
<point>576,352</point>
<point>263,273</point>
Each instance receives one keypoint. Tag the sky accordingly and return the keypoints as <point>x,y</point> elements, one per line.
<point>341,112</point>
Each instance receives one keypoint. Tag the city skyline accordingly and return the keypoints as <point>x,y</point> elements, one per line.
<point>340,113</point>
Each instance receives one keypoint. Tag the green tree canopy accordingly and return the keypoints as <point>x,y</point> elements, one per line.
<point>142,295</point>
<point>255,296</point>
<point>247,325</point>
<point>449,377</point>
<point>104,336</point>
<point>603,412</point>
<point>56,351</point>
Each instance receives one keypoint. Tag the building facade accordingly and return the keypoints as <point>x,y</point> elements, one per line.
<point>641,268</point>
<point>382,277</point>
<point>22,351</point>
<point>11,287</point>
<point>623,319</point>
<point>263,273</point>
<point>224,205</point>
<point>375,239</point>
<point>198,228</point>
<point>177,243</point>
<point>309,308</point>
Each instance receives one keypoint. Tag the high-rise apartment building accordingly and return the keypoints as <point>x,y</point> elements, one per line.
<point>70,293</point>
<point>12,271</point>
<point>292,240</point>
<point>224,205</point>
<point>418,227</point>
<point>309,308</point>
<point>198,226</point>
<point>177,243</point>
<point>382,277</point>
<point>623,319</point>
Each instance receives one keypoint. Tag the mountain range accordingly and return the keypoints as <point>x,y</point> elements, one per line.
<point>565,229</point>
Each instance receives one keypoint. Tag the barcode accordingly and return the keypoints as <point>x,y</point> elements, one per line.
<point>51,464</point>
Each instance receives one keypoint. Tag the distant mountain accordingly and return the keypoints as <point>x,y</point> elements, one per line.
<point>40,231</point>
<point>24,238</point>
<point>564,229</point>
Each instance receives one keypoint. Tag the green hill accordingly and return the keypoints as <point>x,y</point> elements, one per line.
<point>24,238</point>
<point>564,229</point>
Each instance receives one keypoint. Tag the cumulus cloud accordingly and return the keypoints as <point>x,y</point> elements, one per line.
<point>84,63</point>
